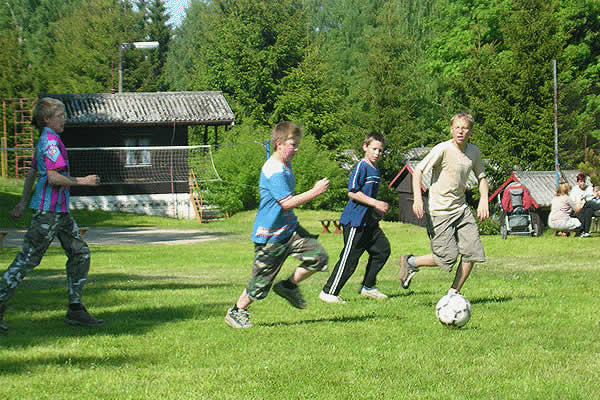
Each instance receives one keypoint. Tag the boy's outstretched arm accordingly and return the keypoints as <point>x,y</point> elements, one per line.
<point>380,206</point>
<point>483,209</point>
<point>56,179</point>
<point>319,188</point>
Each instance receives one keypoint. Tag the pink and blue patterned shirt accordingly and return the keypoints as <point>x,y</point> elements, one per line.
<point>50,154</point>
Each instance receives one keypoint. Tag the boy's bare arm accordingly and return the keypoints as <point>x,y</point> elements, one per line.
<point>417,195</point>
<point>30,178</point>
<point>380,206</point>
<point>55,178</point>
<point>319,188</point>
<point>483,209</point>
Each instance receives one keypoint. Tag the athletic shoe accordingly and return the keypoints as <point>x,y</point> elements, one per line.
<point>238,318</point>
<point>294,296</point>
<point>406,271</point>
<point>584,234</point>
<point>372,293</point>
<point>331,298</point>
<point>81,317</point>
<point>3,327</point>
<point>452,291</point>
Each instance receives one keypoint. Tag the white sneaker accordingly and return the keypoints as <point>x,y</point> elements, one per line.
<point>373,293</point>
<point>452,291</point>
<point>585,234</point>
<point>330,298</point>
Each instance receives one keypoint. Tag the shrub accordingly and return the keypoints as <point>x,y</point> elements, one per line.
<point>239,159</point>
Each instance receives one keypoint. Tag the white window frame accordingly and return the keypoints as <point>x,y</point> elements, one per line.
<point>138,158</point>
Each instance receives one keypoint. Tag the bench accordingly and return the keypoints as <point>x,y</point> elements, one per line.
<point>3,234</point>
<point>325,223</point>
<point>595,225</point>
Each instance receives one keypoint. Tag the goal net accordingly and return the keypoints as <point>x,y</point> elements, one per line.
<point>144,165</point>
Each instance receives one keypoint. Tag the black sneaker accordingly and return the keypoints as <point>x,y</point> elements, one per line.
<point>82,317</point>
<point>294,296</point>
<point>238,318</point>
<point>3,327</point>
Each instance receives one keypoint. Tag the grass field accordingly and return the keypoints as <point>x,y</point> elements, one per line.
<point>534,333</point>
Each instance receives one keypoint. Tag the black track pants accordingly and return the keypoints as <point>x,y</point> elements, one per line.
<point>356,241</point>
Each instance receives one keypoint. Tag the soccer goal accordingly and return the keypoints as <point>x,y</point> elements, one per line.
<point>148,164</point>
<point>153,180</point>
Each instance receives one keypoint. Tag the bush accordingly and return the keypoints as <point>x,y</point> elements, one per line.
<point>314,162</point>
<point>239,159</point>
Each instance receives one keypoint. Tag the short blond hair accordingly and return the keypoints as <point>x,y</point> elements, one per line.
<point>46,108</point>
<point>284,131</point>
<point>464,116</point>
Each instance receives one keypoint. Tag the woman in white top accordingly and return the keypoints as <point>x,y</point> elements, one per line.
<point>562,208</point>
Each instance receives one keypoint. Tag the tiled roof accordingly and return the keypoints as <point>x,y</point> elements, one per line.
<point>542,184</point>
<point>156,108</point>
<point>416,153</point>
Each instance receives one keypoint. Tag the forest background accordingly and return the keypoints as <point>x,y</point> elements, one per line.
<point>341,69</point>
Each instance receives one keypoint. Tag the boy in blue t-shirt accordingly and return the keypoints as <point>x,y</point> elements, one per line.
<point>360,220</point>
<point>276,233</point>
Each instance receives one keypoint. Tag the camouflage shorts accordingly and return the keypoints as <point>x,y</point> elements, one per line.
<point>269,257</point>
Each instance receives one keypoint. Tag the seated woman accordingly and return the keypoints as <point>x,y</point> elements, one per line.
<point>561,209</point>
<point>588,211</point>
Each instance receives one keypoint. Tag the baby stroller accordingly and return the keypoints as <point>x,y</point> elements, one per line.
<point>516,217</point>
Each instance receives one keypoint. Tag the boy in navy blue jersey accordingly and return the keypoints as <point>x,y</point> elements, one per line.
<point>360,221</point>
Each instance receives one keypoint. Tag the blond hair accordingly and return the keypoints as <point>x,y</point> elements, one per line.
<point>563,188</point>
<point>284,131</point>
<point>46,108</point>
<point>464,116</point>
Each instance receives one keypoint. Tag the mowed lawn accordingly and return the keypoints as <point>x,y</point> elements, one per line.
<point>534,332</point>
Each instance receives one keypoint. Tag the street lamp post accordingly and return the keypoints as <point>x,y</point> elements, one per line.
<point>127,46</point>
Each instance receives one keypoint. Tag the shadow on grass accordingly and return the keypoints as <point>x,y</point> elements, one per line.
<point>9,367</point>
<point>99,284</point>
<point>504,299</point>
<point>26,332</point>
<point>36,314</point>
<point>356,318</point>
<point>408,293</point>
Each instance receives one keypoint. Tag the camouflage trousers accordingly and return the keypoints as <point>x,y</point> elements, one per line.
<point>269,257</point>
<point>45,226</point>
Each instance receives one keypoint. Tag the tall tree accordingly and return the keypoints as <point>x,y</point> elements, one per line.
<point>245,48</point>
<point>85,48</point>
<point>511,93</point>
<point>150,66</point>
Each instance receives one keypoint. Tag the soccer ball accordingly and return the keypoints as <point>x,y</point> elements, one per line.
<point>453,310</point>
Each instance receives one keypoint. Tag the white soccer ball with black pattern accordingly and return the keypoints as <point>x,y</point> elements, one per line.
<point>453,310</point>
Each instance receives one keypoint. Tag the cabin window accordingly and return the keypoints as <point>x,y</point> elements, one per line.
<point>135,158</point>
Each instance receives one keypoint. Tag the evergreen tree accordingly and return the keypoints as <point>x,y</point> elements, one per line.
<point>85,47</point>
<point>244,48</point>
<point>151,65</point>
